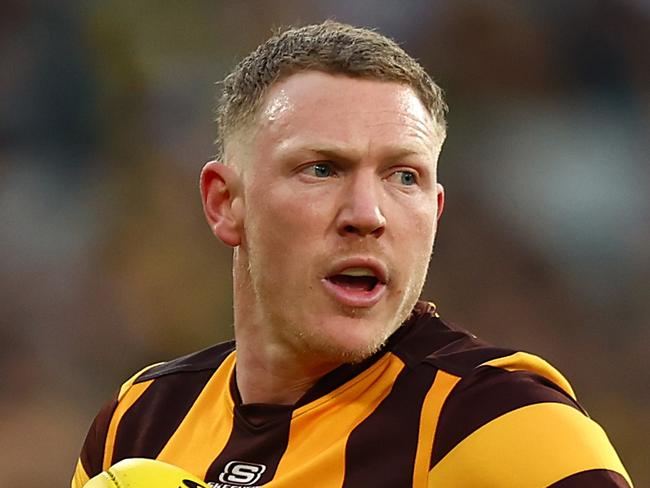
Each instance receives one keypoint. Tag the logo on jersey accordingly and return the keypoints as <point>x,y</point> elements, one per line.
<point>239,473</point>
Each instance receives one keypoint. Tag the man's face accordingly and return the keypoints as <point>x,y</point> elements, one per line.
<point>341,203</point>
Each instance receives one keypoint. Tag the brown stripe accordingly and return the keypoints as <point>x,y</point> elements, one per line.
<point>320,429</point>
<point>486,395</point>
<point>523,361</point>
<point>381,450</point>
<point>337,377</point>
<point>205,429</point>
<point>209,358</point>
<point>429,416</point>
<point>129,394</point>
<point>92,453</point>
<point>420,334</point>
<point>423,337</point>
<point>259,436</point>
<point>448,346</point>
<point>147,426</point>
<point>539,443</point>
<point>594,478</point>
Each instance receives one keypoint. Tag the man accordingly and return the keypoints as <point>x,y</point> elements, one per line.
<point>326,188</point>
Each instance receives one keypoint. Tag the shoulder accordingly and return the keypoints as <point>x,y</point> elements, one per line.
<point>196,367</point>
<point>518,423</point>
<point>482,382</point>
<point>503,416</point>
<point>149,406</point>
<point>428,339</point>
<point>206,359</point>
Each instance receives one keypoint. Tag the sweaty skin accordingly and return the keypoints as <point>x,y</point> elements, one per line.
<point>340,172</point>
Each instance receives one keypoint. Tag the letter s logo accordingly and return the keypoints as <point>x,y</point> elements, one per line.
<point>241,473</point>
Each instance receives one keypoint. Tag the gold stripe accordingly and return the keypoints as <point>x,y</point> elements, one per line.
<point>127,399</point>
<point>522,361</point>
<point>122,406</point>
<point>80,477</point>
<point>533,446</point>
<point>204,431</point>
<point>429,416</point>
<point>129,383</point>
<point>315,454</point>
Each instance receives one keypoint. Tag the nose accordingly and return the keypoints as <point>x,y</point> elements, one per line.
<point>360,212</point>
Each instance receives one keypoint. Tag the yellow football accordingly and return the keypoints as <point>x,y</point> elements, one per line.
<point>145,473</point>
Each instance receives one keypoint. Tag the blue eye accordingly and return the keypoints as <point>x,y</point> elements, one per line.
<point>322,170</point>
<point>319,170</point>
<point>408,178</point>
<point>405,177</point>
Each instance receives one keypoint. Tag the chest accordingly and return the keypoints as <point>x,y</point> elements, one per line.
<point>343,448</point>
<point>375,430</point>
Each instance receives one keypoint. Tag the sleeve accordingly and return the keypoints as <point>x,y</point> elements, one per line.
<point>91,458</point>
<point>515,422</point>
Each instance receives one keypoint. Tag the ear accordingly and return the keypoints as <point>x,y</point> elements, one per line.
<point>441,200</point>
<point>222,196</point>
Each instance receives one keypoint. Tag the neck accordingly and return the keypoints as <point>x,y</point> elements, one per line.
<point>269,370</point>
<point>271,376</point>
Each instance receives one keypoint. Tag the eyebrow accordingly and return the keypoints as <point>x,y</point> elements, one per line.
<point>348,154</point>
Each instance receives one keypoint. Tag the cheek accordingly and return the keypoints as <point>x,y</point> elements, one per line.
<point>416,249</point>
<point>415,253</point>
<point>280,226</point>
<point>289,207</point>
<point>418,220</point>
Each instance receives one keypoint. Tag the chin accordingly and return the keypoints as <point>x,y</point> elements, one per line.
<point>340,354</point>
<point>350,340</point>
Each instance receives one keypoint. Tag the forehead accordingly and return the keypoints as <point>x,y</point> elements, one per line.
<point>311,107</point>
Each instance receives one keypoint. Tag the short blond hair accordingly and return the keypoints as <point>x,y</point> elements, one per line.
<point>331,47</point>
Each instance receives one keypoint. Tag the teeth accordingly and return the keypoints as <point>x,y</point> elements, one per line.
<point>357,272</point>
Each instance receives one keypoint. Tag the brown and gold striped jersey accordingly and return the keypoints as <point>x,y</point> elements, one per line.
<point>436,407</point>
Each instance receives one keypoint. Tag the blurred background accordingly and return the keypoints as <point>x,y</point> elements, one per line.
<point>106,264</point>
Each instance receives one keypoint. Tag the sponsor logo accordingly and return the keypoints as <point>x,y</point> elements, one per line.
<point>240,473</point>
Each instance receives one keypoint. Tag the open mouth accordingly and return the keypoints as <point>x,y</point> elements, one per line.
<point>354,283</point>
<point>356,286</point>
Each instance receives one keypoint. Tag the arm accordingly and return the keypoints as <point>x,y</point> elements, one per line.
<point>90,462</point>
<point>94,458</point>
<point>515,427</point>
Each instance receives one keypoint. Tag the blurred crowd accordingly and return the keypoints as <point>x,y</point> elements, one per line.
<point>106,265</point>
